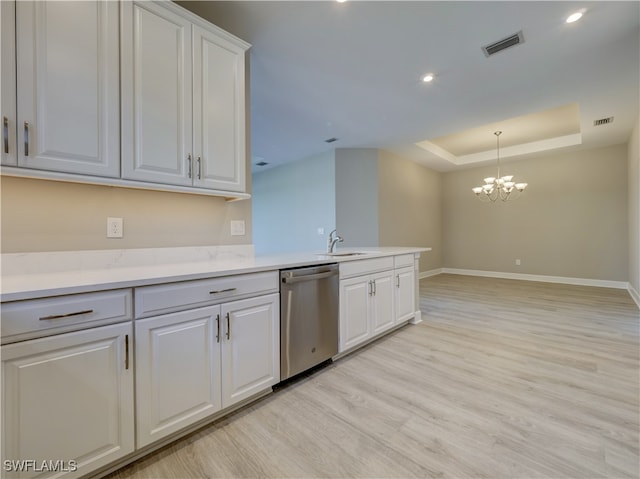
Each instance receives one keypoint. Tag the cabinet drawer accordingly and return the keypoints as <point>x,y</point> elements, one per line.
<point>403,260</point>
<point>365,266</point>
<point>47,316</point>
<point>171,297</point>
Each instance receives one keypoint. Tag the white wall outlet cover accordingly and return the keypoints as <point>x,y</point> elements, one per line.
<point>237,228</point>
<point>321,230</point>
<point>115,228</point>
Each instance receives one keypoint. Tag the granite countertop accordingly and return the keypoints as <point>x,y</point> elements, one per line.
<point>36,275</point>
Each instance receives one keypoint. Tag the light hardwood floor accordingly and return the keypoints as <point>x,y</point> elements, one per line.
<point>503,379</point>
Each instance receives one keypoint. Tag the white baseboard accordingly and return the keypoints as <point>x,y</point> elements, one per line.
<point>541,278</point>
<point>634,294</point>
<point>433,272</point>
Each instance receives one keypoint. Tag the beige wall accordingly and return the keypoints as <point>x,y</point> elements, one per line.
<point>634,208</point>
<point>356,192</point>
<point>39,215</point>
<point>409,207</point>
<point>571,221</point>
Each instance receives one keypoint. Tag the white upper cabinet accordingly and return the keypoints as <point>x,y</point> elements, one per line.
<point>8,94</point>
<point>182,99</point>
<point>156,94</point>
<point>219,112</point>
<point>68,105</point>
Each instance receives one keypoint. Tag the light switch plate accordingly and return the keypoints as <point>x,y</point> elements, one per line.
<point>237,228</point>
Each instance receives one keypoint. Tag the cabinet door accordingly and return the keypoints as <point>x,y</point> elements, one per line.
<point>405,287</point>
<point>177,371</point>
<point>219,112</point>
<point>8,93</point>
<point>69,398</point>
<point>382,309</point>
<point>354,311</point>
<point>156,94</point>
<point>68,97</point>
<point>250,347</point>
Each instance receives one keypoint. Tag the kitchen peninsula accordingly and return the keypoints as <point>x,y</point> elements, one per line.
<point>200,326</point>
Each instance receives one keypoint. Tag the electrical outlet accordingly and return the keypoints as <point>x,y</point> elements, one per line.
<point>517,262</point>
<point>115,228</point>
<point>237,228</point>
<point>321,231</point>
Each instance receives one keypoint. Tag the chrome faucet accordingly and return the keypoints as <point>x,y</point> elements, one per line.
<point>331,241</point>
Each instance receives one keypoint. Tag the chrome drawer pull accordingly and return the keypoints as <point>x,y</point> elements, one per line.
<point>228,290</point>
<point>5,133</point>
<point>228,327</point>
<point>58,316</point>
<point>26,139</point>
<point>126,347</point>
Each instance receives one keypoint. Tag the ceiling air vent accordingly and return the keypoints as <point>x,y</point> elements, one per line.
<point>603,121</point>
<point>330,140</point>
<point>510,41</point>
<point>262,163</point>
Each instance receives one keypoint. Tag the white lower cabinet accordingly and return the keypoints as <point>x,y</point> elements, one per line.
<point>250,347</point>
<point>177,371</point>
<point>405,293</point>
<point>376,294</point>
<point>366,308</point>
<point>382,311</point>
<point>67,402</point>
<point>354,312</point>
<point>194,363</point>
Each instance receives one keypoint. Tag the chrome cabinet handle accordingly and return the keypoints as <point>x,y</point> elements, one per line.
<point>370,291</point>
<point>26,139</point>
<point>374,287</point>
<point>5,133</point>
<point>126,351</point>
<point>228,327</point>
<point>218,329</point>
<point>199,167</point>
<point>228,290</point>
<point>67,315</point>
<point>189,163</point>
<point>397,280</point>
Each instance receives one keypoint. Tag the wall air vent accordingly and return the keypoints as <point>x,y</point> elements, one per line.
<point>603,121</point>
<point>330,140</point>
<point>510,41</point>
<point>262,163</point>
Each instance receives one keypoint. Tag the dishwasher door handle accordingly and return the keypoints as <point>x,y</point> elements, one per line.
<point>309,277</point>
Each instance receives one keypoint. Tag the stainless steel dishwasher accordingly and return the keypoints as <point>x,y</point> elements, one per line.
<point>309,310</point>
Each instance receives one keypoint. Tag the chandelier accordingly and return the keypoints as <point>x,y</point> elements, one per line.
<point>500,187</point>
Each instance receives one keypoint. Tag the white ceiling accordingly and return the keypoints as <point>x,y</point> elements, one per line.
<point>322,69</point>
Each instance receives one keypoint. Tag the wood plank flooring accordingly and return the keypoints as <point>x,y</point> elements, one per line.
<point>503,379</point>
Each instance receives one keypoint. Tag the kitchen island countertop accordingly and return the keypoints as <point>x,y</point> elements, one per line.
<point>37,275</point>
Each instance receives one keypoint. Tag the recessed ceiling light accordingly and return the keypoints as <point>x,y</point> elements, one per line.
<point>427,78</point>
<point>341,1</point>
<point>574,17</point>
